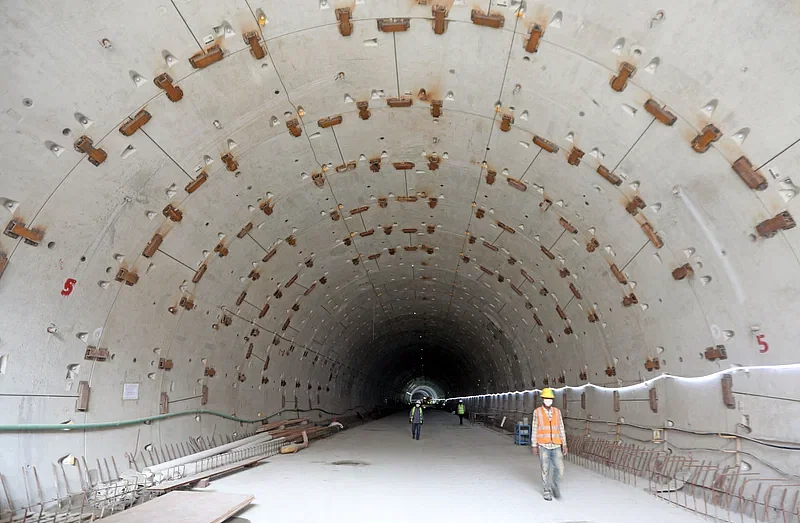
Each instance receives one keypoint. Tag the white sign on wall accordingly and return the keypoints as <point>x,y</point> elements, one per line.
<point>130,391</point>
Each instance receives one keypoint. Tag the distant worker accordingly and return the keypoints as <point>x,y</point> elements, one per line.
<point>549,442</point>
<point>416,420</point>
<point>461,410</point>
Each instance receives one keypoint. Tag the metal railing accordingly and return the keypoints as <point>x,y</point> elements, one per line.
<point>105,491</point>
<point>704,487</point>
<point>264,449</point>
<point>101,501</point>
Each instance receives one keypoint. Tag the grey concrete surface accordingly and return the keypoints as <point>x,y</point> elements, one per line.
<point>298,276</point>
<point>454,473</point>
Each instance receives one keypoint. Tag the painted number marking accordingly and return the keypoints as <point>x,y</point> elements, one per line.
<point>69,286</point>
<point>763,344</point>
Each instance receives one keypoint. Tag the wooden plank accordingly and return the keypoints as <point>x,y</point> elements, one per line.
<point>294,436</point>
<point>185,507</point>
<point>281,424</point>
<point>312,433</point>
<point>292,431</point>
<point>167,486</point>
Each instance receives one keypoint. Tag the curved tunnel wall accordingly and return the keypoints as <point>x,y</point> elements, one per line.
<point>306,268</point>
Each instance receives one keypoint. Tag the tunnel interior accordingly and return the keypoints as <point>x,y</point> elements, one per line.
<point>243,211</point>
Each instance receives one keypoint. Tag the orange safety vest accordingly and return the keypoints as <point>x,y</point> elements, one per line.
<point>549,428</point>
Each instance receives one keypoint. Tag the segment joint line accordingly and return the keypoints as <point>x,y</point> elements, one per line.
<point>485,154</point>
<point>559,237</point>
<point>187,24</point>
<point>635,255</point>
<point>396,65</point>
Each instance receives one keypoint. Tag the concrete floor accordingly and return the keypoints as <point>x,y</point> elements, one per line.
<point>453,473</point>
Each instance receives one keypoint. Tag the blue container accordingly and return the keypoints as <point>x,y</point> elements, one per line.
<point>522,434</point>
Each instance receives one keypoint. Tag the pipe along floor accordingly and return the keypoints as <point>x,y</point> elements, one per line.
<point>377,473</point>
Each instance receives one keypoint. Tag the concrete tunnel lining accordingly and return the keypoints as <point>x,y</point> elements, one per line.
<point>301,264</point>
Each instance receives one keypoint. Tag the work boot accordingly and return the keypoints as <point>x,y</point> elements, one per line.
<point>548,497</point>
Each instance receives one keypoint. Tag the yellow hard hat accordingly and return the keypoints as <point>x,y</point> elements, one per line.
<point>548,393</point>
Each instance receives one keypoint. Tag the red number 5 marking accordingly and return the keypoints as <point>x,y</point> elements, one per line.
<point>69,286</point>
<point>763,344</point>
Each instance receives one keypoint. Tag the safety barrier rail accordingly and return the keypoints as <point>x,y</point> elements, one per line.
<point>106,492</point>
<point>704,487</point>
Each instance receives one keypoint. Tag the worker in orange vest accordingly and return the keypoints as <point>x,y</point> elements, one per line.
<point>549,442</point>
<point>415,418</point>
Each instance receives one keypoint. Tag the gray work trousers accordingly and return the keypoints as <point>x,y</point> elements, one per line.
<point>552,461</point>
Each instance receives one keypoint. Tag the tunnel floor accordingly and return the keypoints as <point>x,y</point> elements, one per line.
<point>376,472</point>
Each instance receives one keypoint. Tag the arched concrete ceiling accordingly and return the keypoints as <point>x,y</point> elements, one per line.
<point>312,255</point>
